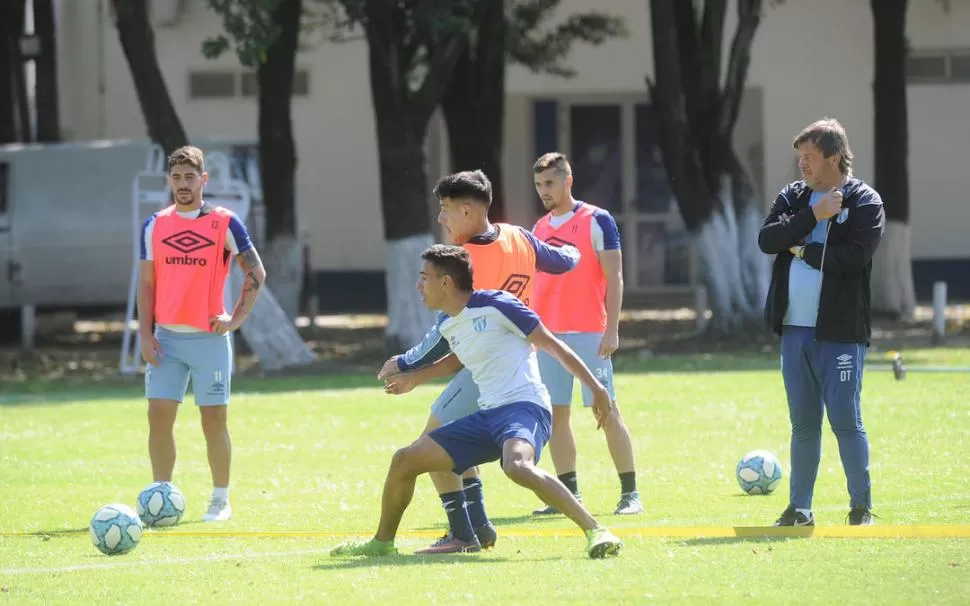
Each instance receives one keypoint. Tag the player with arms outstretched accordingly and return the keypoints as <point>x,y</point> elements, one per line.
<point>505,257</point>
<point>492,334</point>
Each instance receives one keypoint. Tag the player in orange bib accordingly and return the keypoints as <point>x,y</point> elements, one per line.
<point>504,257</point>
<point>186,252</point>
<point>583,310</point>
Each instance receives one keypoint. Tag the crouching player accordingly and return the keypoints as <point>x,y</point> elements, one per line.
<point>491,333</point>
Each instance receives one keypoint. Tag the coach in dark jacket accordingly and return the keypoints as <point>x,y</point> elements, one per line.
<point>823,230</point>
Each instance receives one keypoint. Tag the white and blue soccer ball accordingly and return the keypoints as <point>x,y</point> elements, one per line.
<point>759,472</point>
<point>115,529</point>
<point>161,504</point>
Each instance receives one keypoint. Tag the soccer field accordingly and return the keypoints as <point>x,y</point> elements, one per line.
<point>310,455</point>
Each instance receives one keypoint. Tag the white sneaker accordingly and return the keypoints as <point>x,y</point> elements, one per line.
<point>219,511</point>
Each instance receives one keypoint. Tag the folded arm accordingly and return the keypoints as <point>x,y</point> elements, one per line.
<point>784,228</point>
<point>867,224</point>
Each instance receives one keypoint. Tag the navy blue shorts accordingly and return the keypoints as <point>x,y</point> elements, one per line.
<point>478,438</point>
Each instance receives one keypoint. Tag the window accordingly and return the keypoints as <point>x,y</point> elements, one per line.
<point>943,66</point>
<point>212,84</point>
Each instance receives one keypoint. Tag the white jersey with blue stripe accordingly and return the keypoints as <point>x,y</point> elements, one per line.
<point>490,337</point>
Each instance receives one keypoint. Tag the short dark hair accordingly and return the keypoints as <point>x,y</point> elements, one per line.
<point>453,261</point>
<point>553,160</point>
<point>466,185</point>
<point>188,155</point>
<point>828,135</point>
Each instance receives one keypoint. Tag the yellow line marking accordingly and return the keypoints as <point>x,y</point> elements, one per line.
<point>713,532</point>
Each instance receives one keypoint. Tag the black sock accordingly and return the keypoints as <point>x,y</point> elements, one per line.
<point>628,482</point>
<point>475,502</point>
<point>569,479</point>
<point>461,526</point>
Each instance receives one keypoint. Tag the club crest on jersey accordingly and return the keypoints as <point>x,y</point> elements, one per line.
<point>480,324</point>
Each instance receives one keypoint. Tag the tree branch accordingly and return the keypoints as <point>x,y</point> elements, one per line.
<point>749,17</point>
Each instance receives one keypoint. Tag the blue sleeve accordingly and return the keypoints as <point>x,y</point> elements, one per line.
<point>431,349</point>
<point>240,234</point>
<point>552,259</point>
<point>143,243</point>
<point>611,233</point>
<point>517,313</point>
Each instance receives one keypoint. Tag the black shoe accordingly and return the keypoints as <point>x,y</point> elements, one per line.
<point>860,516</point>
<point>790,517</point>
<point>486,535</point>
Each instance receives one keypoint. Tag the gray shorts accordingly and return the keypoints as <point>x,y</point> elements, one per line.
<point>203,356</point>
<point>459,399</point>
<point>559,381</point>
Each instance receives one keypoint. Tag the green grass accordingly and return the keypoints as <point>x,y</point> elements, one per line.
<point>310,454</point>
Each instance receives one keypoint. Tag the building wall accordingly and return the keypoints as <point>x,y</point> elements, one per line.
<point>795,75</point>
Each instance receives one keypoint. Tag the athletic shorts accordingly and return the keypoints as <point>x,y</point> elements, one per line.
<point>203,356</point>
<point>559,381</point>
<point>459,399</point>
<point>478,438</point>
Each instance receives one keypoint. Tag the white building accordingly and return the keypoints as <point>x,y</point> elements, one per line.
<point>810,59</point>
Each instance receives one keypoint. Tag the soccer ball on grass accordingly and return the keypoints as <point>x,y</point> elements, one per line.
<point>758,472</point>
<point>161,504</point>
<point>115,529</point>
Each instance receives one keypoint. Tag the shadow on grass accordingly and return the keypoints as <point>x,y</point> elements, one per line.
<point>712,541</point>
<point>69,532</point>
<point>351,562</point>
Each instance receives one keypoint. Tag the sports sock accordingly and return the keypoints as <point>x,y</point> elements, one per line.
<point>475,502</point>
<point>805,512</point>
<point>571,482</point>
<point>461,526</point>
<point>628,482</point>
<point>220,494</point>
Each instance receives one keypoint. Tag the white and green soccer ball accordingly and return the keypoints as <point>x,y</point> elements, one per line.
<point>758,472</point>
<point>115,529</point>
<point>161,504</point>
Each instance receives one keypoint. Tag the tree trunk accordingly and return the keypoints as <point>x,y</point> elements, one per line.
<point>402,117</point>
<point>48,117</point>
<point>474,105</point>
<point>695,121</point>
<point>277,155</point>
<point>138,43</point>
<point>893,290</point>
<point>8,116</point>
<point>406,227</point>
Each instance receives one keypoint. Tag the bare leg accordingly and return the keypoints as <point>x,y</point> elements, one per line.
<point>618,441</point>
<point>161,438</point>
<point>446,481</point>
<point>423,456</point>
<point>562,444</point>
<point>518,462</point>
<point>218,443</point>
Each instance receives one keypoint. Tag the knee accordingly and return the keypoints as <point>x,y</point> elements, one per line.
<point>520,471</point>
<point>560,419</point>
<point>403,462</point>
<point>160,417</point>
<point>214,420</point>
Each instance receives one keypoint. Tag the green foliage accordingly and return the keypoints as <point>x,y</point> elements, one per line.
<point>249,29</point>
<point>542,48</point>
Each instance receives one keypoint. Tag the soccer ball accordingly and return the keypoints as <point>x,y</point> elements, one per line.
<point>759,472</point>
<point>161,504</point>
<point>115,529</point>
